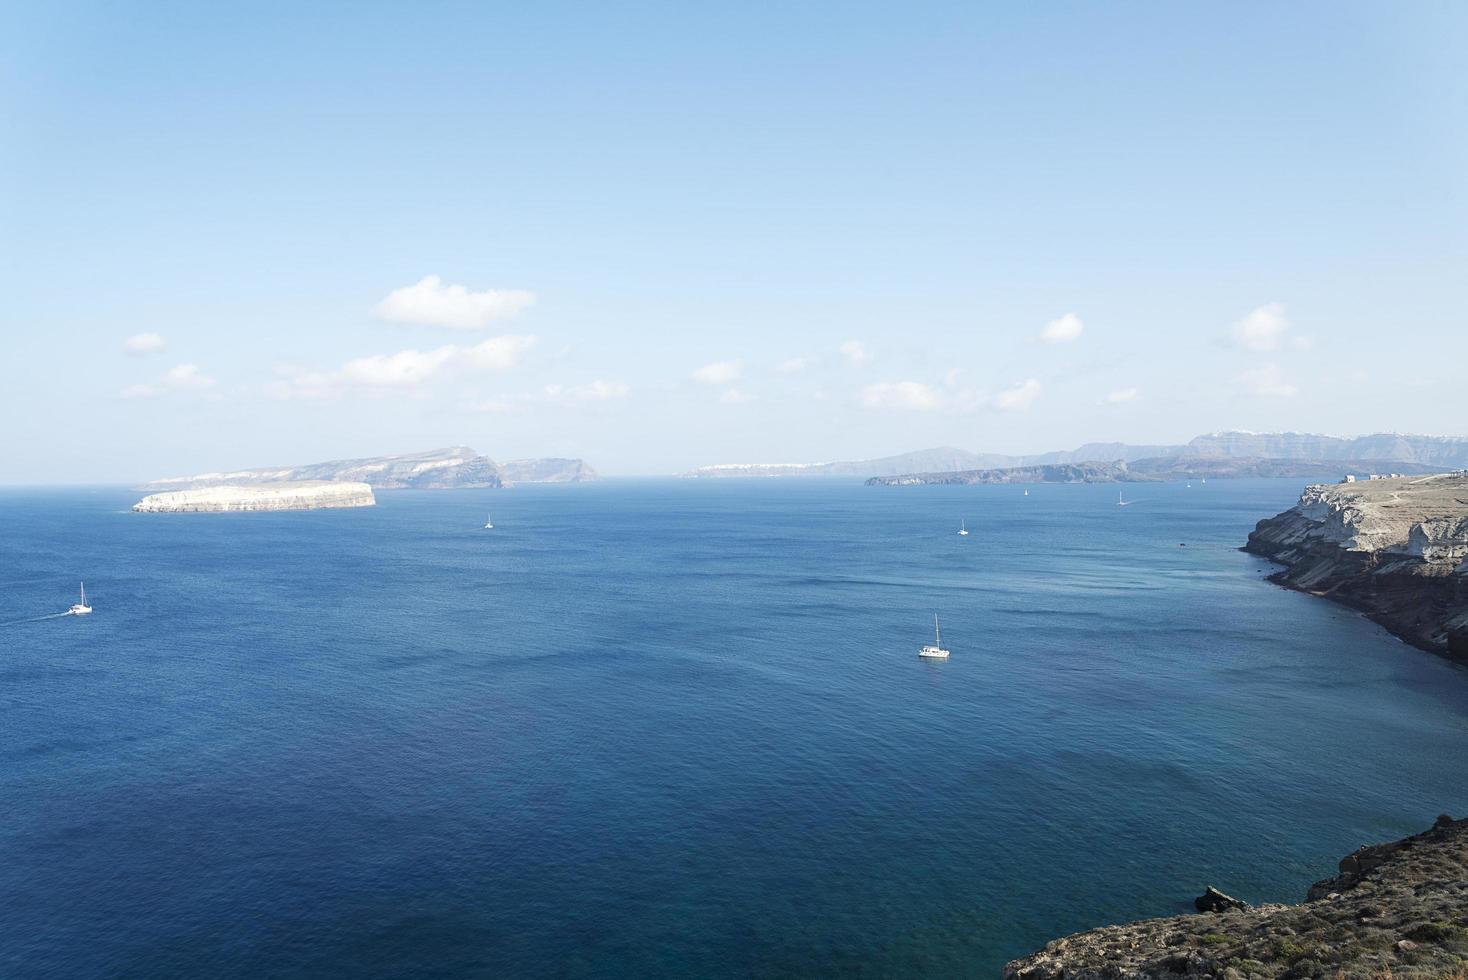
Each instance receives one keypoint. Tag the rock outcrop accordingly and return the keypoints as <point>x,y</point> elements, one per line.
<point>300,495</point>
<point>1398,909</point>
<point>1213,900</point>
<point>1396,549</point>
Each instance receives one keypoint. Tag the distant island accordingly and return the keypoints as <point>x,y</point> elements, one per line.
<point>293,495</point>
<point>1152,471</point>
<point>1394,909</point>
<point>457,467</point>
<point>1117,472</point>
<point>547,471</point>
<point>1397,549</point>
<point>1264,454</point>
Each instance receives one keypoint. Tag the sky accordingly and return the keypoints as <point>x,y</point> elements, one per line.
<point>657,236</point>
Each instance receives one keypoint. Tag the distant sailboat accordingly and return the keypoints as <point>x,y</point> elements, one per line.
<point>962,529</point>
<point>1027,493</point>
<point>488,523</point>
<point>80,608</point>
<point>934,650</point>
<point>1120,500</point>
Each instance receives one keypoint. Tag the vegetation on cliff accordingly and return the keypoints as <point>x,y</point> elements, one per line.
<point>1398,909</point>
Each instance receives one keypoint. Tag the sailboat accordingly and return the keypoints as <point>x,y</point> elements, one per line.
<point>962,529</point>
<point>80,608</point>
<point>1120,500</point>
<point>1027,493</point>
<point>488,522</point>
<point>934,650</point>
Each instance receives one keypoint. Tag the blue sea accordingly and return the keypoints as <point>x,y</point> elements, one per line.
<point>676,729</point>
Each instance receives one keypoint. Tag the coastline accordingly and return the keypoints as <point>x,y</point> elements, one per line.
<point>1395,550</point>
<point>1395,908</point>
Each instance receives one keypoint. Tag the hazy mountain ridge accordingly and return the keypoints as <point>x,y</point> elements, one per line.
<point>1156,469</point>
<point>1383,450</point>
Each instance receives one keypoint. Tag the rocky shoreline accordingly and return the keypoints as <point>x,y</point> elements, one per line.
<point>1396,549</point>
<point>1397,909</point>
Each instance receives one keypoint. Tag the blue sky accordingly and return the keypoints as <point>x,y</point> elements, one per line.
<point>657,236</point>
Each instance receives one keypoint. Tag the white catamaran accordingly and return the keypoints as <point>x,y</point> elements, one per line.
<point>80,608</point>
<point>488,522</point>
<point>934,650</point>
<point>962,529</point>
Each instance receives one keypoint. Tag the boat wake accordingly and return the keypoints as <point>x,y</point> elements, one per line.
<point>34,619</point>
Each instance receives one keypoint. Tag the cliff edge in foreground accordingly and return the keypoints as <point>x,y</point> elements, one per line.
<point>1396,549</point>
<point>1398,909</point>
<point>304,495</point>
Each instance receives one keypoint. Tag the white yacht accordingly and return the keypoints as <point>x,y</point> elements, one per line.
<point>962,529</point>
<point>1027,493</point>
<point>488,523</point>
<point>80,608</point>
<point>934,650</point>
<point>1121,501</point>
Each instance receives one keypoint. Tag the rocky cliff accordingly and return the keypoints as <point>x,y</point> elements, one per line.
<point>458,466</point>
<point>302,495</point>
<point>1396,549</point>
<point>1398,909</point>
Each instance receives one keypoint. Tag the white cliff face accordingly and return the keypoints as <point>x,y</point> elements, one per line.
<point>306,495</point>
<point>436,469</point>
<point>1396,549</point>
<point>1420,517</point>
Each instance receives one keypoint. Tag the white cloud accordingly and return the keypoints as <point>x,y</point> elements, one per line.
<point>429,302</point>
<point>733,396</point>
<point>910,396</point>
<point>856,352</point>
<point>187,376</point>
<point>496,353</point>
<point>405,369</point>
<point>595,391</point>
<point>182,377</point>
<point>1019,397</point>
<point>718,373</point>
<point>1260,330</point>
<point>1063,329</point>
<point>1121,396</point>
<point>497,406</point>
<point>143,343</point>
<point>1268,381</point>
<point>792,366</point>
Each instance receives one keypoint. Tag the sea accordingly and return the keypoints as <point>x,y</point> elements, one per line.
<point>661,728</point>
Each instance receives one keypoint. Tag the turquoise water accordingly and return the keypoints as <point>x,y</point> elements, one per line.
<point>655,729</point>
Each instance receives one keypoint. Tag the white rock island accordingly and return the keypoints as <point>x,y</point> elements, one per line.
<point>296,495</point>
